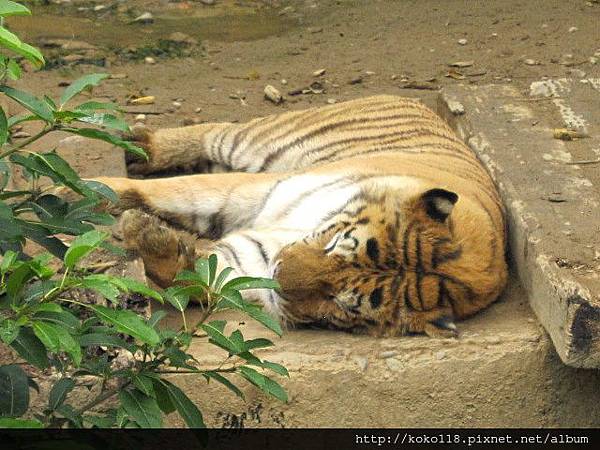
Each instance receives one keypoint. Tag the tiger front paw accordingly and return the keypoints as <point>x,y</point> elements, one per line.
<point>141,136</point>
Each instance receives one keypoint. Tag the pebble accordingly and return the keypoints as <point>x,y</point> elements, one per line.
<point>440,355</point>
<point>272,94</point>
<point>318,73</point>
<point>463,41</point>
<point>99,8</point>
<point>456,107</point>
<point>315,30</point>
<point>362,362</point>
<point>394,77</point>
<point>140,117</point>
<point>369,73</point>
<point>147,100</point>
<point>573,29</point>
<point>145,18</point>
<point>284,81</point>
<point>191,121</point>
<point>461,64</point>
<point>149,60</point>
<point>176,105</point>
<point>197,110</point>
<point>388,354</point>
<point>393,364</point>
<point>356,80</point>
<point>331,101</point>
<point>182,38</point>
<point>207,2</point>
<point>531,62</point>
<point>21,134</point>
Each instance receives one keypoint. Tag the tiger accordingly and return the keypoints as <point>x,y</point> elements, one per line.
<point>371,215</point>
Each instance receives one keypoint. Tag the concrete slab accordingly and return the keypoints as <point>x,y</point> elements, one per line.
<point>553,208</point>
<point>501,371</point>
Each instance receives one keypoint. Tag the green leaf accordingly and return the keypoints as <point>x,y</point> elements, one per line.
<point>30,348</point>
<point>29,102</point>
<point>61,318</point>
<point>12,42</point>
<point>277,368</point>
<point>68,344</point>
<point>14,391</point>
<point>106,137</point>
<point>212,268</point>
<point>224,381</point>
<point>105,120</point>
<point>132,285</point>
<point>3,127</point>
<point>162,395</point>
<point>233,299</point>
<point>258,343</point>
<point>186,409</point>
<point>9,330</point>
<point>68,412</point>
<point>17,279</point>
<point>83,245</point>
<point>8,259</point>
<point>129,323</point>
<point>101,286</point>
<point>59,392</point>
<point>7,422</point>
<point>264,383</point>
<point>242,283</point>
<point>9,8</point>
<point>222,277</point>
<point>48,335</point>
<point>156,317</point>
<point>143,383</point>
<point>108,340</point>
<point>13,70</point>
<point>14,120</point>
<point>100,421</point>
<point>141,408</point>
<point>102,189</point>
<point>93,106</point>
<point>80,84</point>
<point>220,339</point>
<point>201,267</point>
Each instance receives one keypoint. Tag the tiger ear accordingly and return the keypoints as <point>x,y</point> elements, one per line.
<point>439,203</point>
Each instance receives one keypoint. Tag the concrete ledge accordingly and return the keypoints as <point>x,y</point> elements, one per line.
<point>501,371</point>
<point>553,212</point>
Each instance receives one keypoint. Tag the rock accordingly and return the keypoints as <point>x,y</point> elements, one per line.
<point>140,117</point>
<point>197,110</point>
<point>21,135</point>
<point>314,30</point>
<point>362,362</point>
<point>149,60</point>
<point>331,101</point>
<point>531,62</point>
<point>176,105</point>
<point>356,80</point>
<point>181,38</point>
<point>284,81</point>
<point>67,44</point>
<point>98,8</point>
<point>73,58</point>
<point>144,19</point>
<point>456,107</point>
<point>64,83</point>
<point>187,121</point>
<point>388,354</point>
<point>440,355</point>
<point>272,94</point>
<point>147,100</point>
<point>393,364</point>
<point>573,29</point>
<point>461,64</point>
<point>463,41</point>
<point>207,2</point>
<point>318,73</point>
<point>369,73</point>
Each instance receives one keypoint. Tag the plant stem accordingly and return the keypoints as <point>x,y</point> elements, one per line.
<point>167,371</point>
<point>102,397</point>
<point>26,142</point>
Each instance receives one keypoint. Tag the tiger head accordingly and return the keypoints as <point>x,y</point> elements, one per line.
<point>379,265</point>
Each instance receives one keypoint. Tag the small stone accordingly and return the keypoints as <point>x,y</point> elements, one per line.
<point>573,29</point>
<point>440,355</point>
<point>314,30</point>
<point>531,62</point>
<point>21,134</point>
<point>461,64</point>
<point>197,110</point>
<point>362,362</point>
<point>331,101</point>
<point>393,364</point>
<point>547,157</point>
<point>144,19</point>
<point>356,80</point>
<point>463,41</point>
<point>99,8</point>
<point>456,107</point>
<point>149,60</point>
<point>318,73</point>
<point>494,340</point>
<point>369,73</point>
<point>64,83</point>
<point>147,100</point>
<point>118,76</point>
<point>140,117</point>
<point>176,105</point>
<point>388,354</point>
<point>272,94</point>
<point>530,320</point>
<point>207,2</point>
<point>284,81</point>
<point>394,77</point>
<point>191,121</point>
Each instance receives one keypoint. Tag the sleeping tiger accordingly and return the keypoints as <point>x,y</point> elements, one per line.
<point>371,214</point>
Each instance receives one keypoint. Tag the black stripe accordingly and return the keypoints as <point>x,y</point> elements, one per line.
<point>221,245</point>
<point>260,246</point>
<point>373,250</point>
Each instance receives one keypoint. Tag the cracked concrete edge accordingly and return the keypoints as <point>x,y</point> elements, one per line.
<point>565,306</point>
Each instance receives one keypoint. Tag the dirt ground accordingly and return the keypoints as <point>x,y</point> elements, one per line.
<point>365,47</point>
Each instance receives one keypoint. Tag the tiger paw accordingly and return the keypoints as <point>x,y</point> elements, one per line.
<point>165,251</point>
<point>141,136</point>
